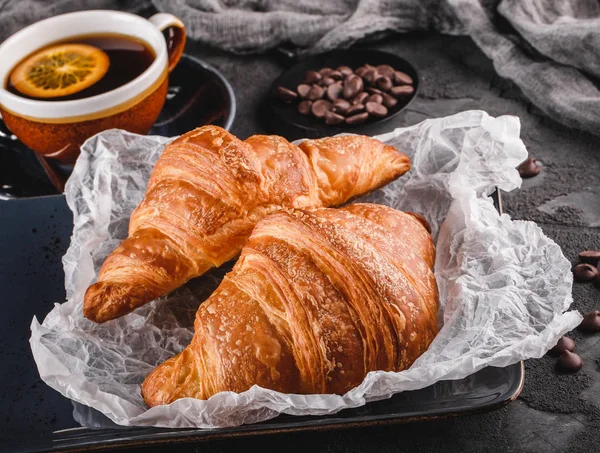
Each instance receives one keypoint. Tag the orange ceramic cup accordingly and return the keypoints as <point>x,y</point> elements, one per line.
<point>57,129</point>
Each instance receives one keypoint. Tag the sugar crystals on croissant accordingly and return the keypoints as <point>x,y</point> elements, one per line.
<point>207,191</point>
<point>316,300</point>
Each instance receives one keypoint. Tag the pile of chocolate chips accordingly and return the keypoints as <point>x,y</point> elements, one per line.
<point>585,272</point>
<point>344,95</point>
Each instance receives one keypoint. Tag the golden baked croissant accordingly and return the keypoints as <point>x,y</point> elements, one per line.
<point>206,193</point>
<point>316,300</point>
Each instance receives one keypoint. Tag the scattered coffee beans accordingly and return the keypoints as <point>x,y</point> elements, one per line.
<point>564,344</point>
<point>585,273</point>
<point>590,257</point>
<point>569,361</point>
<point>351,96</point>
<point>529,168</point>
<point>591,322</point>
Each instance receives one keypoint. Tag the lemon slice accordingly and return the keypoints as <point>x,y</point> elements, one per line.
<point>59,70</point>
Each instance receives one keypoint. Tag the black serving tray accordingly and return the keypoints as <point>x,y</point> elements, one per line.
<point>34,235</point>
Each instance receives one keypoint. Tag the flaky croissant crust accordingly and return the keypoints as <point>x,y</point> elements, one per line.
<point>206,193</point>
<point>316,300</point>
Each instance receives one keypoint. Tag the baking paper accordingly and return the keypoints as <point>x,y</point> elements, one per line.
<point>504,286</point>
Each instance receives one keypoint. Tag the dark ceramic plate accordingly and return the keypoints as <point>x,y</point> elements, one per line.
<point>34,234</point>
<point>284,119</point>
<point>198,94</point>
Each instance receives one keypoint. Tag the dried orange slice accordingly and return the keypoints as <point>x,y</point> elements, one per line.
<point>59,70</point>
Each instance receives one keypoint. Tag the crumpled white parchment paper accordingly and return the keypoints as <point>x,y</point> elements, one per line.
<point>504,286</point>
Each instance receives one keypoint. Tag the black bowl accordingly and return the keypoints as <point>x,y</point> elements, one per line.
<point>284,119</point>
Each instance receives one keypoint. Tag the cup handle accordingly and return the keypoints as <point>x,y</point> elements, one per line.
<point>176,39</point>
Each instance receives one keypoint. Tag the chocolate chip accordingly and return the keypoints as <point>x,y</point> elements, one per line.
<point>563,344</point>
<point>375,109</point>
<point>320,107</point>
<point>590,256</point>
<point>325,71</point>
<point>286,95</point>
<point>386,70</point>
<point>334,91</point>
<point>355,108</point>
<point>389,101</point>
<point>345,70</point>
<point>316,92</point>
<point>303,90</point>
<point>312,77</point>
<point>327,81</point>
<point>375,98</point>
<point>591,322</point>
<point>529,168</point>
<point>352,86</point>
<point>304,107</point>
<point>370,76</point>
<point>570,362</point>
<point>336,75</point>
<point>360,98</point>
<point>333,118</point>
<point>402,90</point>
<point>384,83</point>
<point>402,78</point>
<point>357,119</point>
<point>585,273</point>
<point>341,106</point>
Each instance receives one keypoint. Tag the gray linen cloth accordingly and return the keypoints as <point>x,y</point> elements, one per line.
<point>549,48</point>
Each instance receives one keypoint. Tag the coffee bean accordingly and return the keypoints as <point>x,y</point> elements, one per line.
<point>357,119</point>
<point>361,71</point>
<point>384,83</point>
<point>375,109</point>
<point>316,92</point>
<point>304,107</point>
<point>303,90</point>
<point>386,70</point>
<point>336,75</point>
<point>326,81</point>
<point>345,70</point>
<point>340,106</point>
<point>355,108</point>
<point>320,107</point>
<point>564,344</point>
<point>389,101</point>
<point>591,322</point>
<point>352,86</point>
<point>325,72</point>
<point>402,90</point>
<point>529,168</point>
<point>570,362</point>
<point>373,90</point>
<point>333,118</point>
<point>402,78</point>
<point>584,273</point>
<point>286,95</point>
<point>590,256</point>
<point>360,98</point>
<point>370,76</point>
<point>312,77</point>
<point>334,91</point>
<point>375,98</point>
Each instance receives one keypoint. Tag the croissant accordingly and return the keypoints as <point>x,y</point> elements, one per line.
<point>316,300</point>
<point>207,191</point>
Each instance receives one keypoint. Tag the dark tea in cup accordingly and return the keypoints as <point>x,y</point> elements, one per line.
<point>80,67</point>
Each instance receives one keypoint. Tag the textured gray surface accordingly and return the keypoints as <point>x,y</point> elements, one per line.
<point>556,412</point>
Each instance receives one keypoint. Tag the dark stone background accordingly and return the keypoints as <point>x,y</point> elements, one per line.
<point>555,412</point>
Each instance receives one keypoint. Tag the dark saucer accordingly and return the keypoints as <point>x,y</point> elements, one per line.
<point>284,119</point>
<point>198,94</point>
